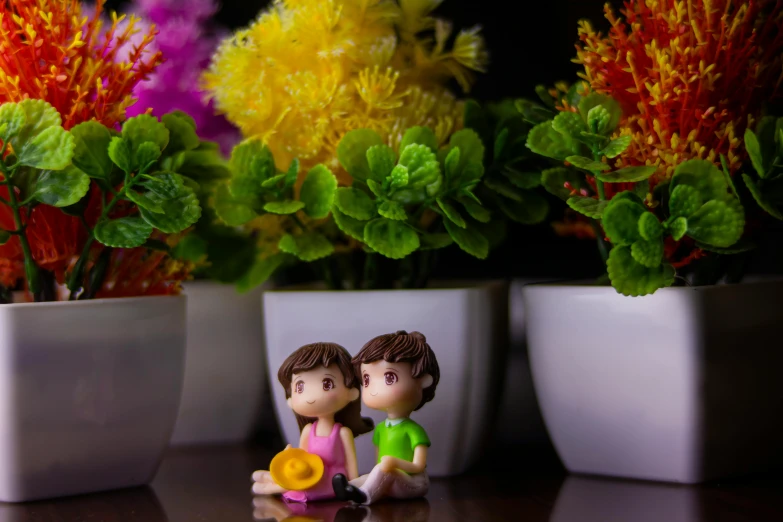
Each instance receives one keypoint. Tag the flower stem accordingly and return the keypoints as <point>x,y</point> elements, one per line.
<point>32,271</point>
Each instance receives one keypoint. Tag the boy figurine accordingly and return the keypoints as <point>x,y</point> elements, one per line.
<point>399,374</point>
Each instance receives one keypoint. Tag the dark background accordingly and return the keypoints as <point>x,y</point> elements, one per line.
<point>530,43</point>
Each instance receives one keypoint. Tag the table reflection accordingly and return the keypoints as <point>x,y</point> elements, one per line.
<point>584,499</point>
<point>125,504</point>
<point>274,509</point>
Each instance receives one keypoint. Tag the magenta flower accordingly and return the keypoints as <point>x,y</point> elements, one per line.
<point>187,39</point>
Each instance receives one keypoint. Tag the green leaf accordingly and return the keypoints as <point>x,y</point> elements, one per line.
<point>381,159</point>
<point>630,196</point>
<point>424,177</point>
<point>451,213</point>
<point>61,188</point>
<point>504,188</point>
<point>739,247</point>
<point>307,247</point>
<point>13,117</point>
<point>684,201</point>
<point>51,149</point>
<point>476,211</point>
<point>146,154</point>
<point>641,189</point>
<point>390,238</point>
<point>678,228</point>
<point>292,173</point>
<point>611,106</point>
<point>530,210</point>
<point>5,235</point>
<point>649,227</point>
<point>143,128</point>
<point>125,232</point>
<point>727,175</point>
<point>39,116</point>
<point>120,154</point>
<point>392,210</point>
<point>471,155</point>
<point>352,227</point>
<point>191,248</point>
<point>500,143</point>
<point>543,139</point>
<point>352,152</point>
<point>761,199</point>
<point>288,206</point>
<point>590,207</point>
<point>435,241</point>
<point>421,136</point>
<point>399,177</point>
<point>621,221</point>
<point>375,187</point>
<point>569,124</point>
<point>451,164</point>
<point>616,147</point>
<point>260,272</point>
<point>703,176</point>
<point>598,120</point>
<point>91,152</point>
<point>523,180</point>
<point>627,175</point>
<point>754,151</point>
<point>318,192</point>
<point>634,279</point>
<point>179,211</point>
<point>554,181</point>
<point>355,203</point>
<point>587,164</point>
<point>273,181</point>
<point>164,184</point>
<point>648,253</point>
<point>718,223</point>
<point>143,201</point>
<point>182,133</point>
<point>469,239</point>
<point>252,163</point>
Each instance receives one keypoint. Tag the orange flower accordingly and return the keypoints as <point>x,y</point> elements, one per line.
<point>139,271</point>
<point>50,51</point>
<point>690,75</point>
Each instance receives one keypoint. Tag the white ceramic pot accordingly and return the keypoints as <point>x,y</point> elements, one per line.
<point>467,329</point>
<point>680,386</point>
<point>89,392</point>
<point>225,374</point>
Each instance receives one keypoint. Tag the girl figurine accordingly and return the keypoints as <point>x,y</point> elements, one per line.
<point>323,391</point>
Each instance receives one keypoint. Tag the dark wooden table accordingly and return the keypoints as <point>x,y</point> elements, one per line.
<point>213,485</point>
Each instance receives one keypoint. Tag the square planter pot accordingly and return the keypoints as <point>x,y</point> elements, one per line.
<point>89,392</point>
<point>681,386</point>
<point>467,329</point>
<point>225,375</point>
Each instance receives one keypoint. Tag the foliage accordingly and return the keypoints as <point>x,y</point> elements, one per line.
<point>122,186</point>
<point>765,180</point>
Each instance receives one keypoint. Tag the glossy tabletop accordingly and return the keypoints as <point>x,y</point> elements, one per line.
<point>213,485</point>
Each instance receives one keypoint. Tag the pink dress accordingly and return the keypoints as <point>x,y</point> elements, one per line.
<point>332,452</point>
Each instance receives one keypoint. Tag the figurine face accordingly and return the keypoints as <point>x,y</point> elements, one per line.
<point>390,387</point>
<point>320,391</point>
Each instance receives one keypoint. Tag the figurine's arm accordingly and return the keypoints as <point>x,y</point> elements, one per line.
<point>351,467</point>
<point>418,465</point>
<point>304,438</point>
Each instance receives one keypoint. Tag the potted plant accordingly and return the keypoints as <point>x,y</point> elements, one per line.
<point>225,377</point>
<point>362,169</point>
<point>91,205</point>
<point>647,150</point>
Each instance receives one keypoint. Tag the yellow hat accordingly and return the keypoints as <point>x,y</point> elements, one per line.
<point>296,470</point>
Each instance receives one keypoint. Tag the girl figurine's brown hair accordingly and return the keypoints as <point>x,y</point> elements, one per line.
<point>312,356</point>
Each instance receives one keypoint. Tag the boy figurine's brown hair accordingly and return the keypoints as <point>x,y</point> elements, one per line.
<point>403,347</point>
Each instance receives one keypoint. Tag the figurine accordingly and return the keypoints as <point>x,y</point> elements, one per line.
<point>323,391</point>
<point>399,372</point>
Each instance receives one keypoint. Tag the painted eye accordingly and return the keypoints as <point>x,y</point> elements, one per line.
<point>328,384</point>
<point>391,378</point>
<point>366,380</point>
<point>300,387</point>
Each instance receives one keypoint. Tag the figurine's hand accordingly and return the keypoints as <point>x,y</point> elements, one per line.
<point>263,476</point>
<point>287,447</point>
<point>388,464</point>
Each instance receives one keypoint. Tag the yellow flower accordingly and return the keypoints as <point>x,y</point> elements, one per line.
<point>308,71</point>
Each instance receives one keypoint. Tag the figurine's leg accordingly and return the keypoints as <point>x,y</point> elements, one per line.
<point>394,484</point>
<point>359,481</point>
<point>377,484</point>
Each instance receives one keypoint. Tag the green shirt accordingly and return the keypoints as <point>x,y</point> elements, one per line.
<point>400,440</point>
